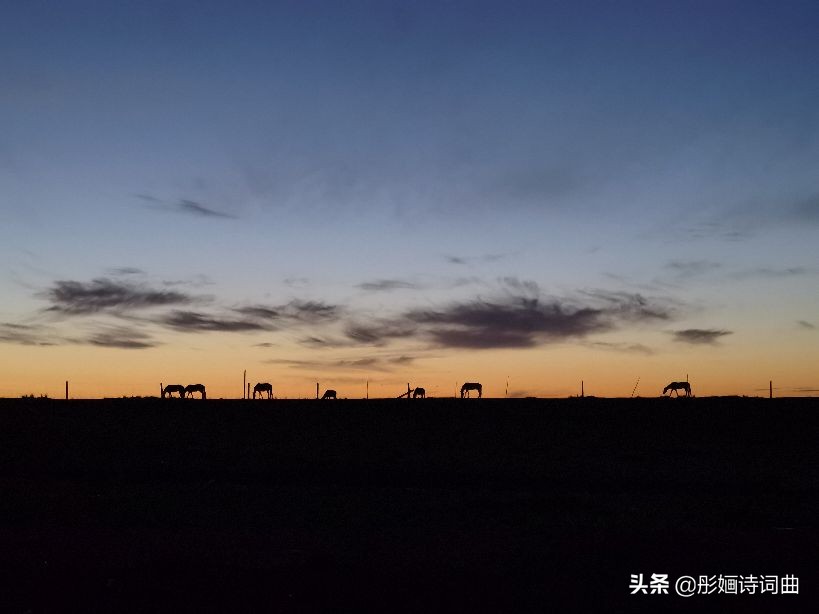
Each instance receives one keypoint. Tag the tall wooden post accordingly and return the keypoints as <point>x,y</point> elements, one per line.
<point>317,389</point>
<point>245,389</point>
<point>408,391</point>
<point>66,390</point>
<point>368,389</point>
<point>582,389</point>
<point>770,389</point>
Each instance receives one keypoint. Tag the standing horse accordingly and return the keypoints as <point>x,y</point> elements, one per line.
<point>191,388</point>
<point>471,386</point>
<point>419,393</point>
<point>171,388</point>
<point>263,387</point>
<point>329,394</point>
<point>675,387</point>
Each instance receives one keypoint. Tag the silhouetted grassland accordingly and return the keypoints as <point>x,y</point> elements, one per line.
<point>456,504</point>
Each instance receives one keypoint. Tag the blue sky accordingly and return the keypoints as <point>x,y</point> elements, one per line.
<point>388,159</point>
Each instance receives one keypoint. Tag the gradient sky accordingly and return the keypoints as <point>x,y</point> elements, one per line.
<point>423,192</point>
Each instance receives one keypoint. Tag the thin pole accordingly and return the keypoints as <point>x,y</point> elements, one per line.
<point>770,389</point>
<point>248,390</point>
<point>317,389</point>
<point>244,385</point>
<point>368,389</point>
<point>408,390</point>
<point>66,390</point>
<point>506,394</point>
<point>582,389</point>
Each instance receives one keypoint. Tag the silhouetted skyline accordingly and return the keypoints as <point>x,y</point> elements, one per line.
<point>386,192</point>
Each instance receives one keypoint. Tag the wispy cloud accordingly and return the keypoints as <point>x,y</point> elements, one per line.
<point>24,334</point>
<point>686,269</point>
<point>194,208</point>
<point>102,294</point>
<point>184,206</point>
<point>121,337</point>
<point>296,311</point>
<point>125,270</point>
<point>341,365</point>
<point>805,325</point>
<point>512,320</point>
<point>192,321</point>
<point>700,336</point>
<point>388,285</point>
<point>472,260</point>
<point>771,273</point>
<point>629,348</point>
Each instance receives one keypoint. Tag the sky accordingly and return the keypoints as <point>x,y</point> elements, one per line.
<point>371,194</point>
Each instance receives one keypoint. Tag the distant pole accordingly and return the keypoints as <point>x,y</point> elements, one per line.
<point>408,390</point>
<point>161,390</point>
<point>66,390</point>
<point>582,389</point>
<point>368,389</point>
<point>317,389</point>
<point>506,393</point>
<point>245,389</point>
<point>770,389</point>
<point>248,391</point>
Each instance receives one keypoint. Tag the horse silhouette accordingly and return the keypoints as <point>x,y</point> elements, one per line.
<point>191,388</point>
<point>263,387</point>
<point>675,387</point>
<point>329,394</point>
<point>171,388</point>
<point>419,393</point>
<point>471,386</point>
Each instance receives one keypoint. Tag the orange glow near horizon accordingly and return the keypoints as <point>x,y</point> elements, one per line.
<point>546,372</point>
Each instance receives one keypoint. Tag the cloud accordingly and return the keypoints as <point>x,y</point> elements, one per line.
<point>769,273</point>
<point>184,206</point>
<point>387,285</point>
<point>191,321</point>
<point>630,348</point>
<point>517,319</point>
<point>194,208</point>
<point>517,322</point>
<point>805,325</point>
<point>378,333</point>
<point>79,298</point>
<point>296,311</point>
<point>471,260</point>
<point>24,334</point>
<point>699,336</point>
<point>686,269</point>
<point>121,337</point>
<point>631,306</point>
<point>368,363</point>
<point>125,270</point>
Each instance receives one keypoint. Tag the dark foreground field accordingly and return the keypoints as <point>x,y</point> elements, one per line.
<point>151,505</point>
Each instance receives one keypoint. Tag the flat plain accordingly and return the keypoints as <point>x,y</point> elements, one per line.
<point>401,505</point>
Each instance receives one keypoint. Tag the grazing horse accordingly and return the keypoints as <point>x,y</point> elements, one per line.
<point>419,392</point>
<point>263,387</point>
<point>471,386</point>
<point>677,386</point>
<point>171,388</point>
<point>329,394</point>
<point>191,388</point>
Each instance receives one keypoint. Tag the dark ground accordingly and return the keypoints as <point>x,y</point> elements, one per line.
<point>473,505</point>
